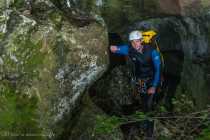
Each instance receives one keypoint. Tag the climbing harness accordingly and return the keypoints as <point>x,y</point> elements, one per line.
<point>142,85</point>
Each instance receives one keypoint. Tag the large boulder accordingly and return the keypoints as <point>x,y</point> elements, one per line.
<point>81,11</point>
<point>113,92</point>
<point>46,64</point>
<point>184,7</point>
<point>119,14</point>
<point>92,123</point>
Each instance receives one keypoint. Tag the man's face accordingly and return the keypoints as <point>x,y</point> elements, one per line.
<point>136,43</point>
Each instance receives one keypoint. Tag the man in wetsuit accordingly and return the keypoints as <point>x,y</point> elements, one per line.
<point>147,67</point>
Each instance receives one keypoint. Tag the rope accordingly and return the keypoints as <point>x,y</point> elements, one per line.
<point>189,116</point>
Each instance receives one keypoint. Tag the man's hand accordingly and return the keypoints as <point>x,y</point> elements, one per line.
<point>113,48</point>
<point>151,90</point>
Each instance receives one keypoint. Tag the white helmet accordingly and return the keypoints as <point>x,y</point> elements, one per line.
<point>135,35</point>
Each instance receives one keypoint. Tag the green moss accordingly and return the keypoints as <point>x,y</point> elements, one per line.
<point>139,115</point>
<point>205,134</point>
<point>18,4</point>
<point>28,57</point>
<point>60,50</point>
<point>35,57</point>
<point>163,138</point>
<point>2,5</point>
<point>56,18</point>
<point>1,35</point>
<point>106,125</point>
<point>183,101</point>
<point>18,115</point>
<point>18,110</point>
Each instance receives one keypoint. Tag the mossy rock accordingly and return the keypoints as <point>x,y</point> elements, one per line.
<point>46,65</point>
<point>92,123</point>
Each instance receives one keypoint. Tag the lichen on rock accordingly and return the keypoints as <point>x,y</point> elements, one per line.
<point>48,63</point>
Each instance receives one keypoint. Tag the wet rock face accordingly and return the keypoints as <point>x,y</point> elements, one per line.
<point>81,12</point>
<point>186,34</point>
<point>48,63</point>
<point>88,124</point>
<point>113,92</point>
<point>119,14</point>
<point>184,7</point>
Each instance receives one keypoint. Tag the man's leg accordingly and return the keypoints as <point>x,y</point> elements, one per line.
<point>147,102</point>
<point>144,98</point>
<point>150,102</point>
<point>150,123</point>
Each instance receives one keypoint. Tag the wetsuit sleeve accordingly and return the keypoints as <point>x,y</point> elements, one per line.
<point>122,49</point>
<point>157,67</point>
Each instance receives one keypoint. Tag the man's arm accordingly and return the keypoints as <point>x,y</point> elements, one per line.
<point>157,71</point>
<point>122,49</point>
<point>157,67</point>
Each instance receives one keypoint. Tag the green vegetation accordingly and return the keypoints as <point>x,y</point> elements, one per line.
<point>18,115</point>
<point>183,104</point>
<point>26,57</point>
<point>18,4</point>
<point>1,35</point>
<point>185,122</point>
<point>56,18</point>
<point>107,125</point>
<point>139,116</point>
<point>205,134</point>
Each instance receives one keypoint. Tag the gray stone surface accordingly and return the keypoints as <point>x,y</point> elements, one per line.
<point>46,58</point>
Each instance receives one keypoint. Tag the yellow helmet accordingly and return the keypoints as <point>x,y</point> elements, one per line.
<point>148,35</point>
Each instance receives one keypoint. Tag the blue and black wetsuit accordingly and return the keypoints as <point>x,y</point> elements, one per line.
<point>147,68</point>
